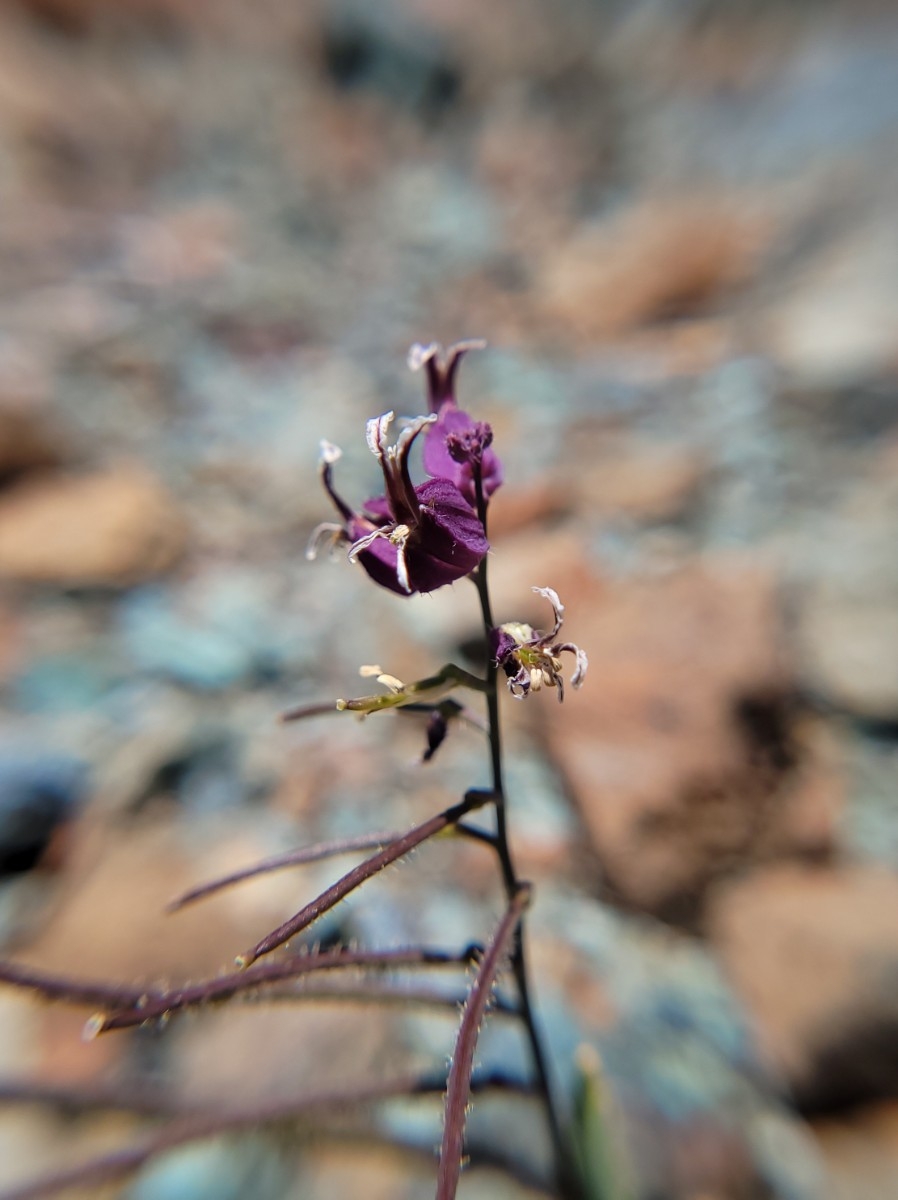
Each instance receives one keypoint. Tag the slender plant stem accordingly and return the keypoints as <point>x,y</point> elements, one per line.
<point>569,1186</point>
<point>293,858</point>
<point>458,1089</point>
<point>364,871</point>
<point>224,987</point>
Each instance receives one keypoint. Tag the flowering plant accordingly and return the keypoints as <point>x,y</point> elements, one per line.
<point>414,538</point>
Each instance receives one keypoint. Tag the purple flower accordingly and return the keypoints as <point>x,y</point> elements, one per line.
<point>411,539</point>
<point>456,447</point>
<point>530,658</point>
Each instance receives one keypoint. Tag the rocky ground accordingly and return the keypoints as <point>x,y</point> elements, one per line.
<point>222,228</point>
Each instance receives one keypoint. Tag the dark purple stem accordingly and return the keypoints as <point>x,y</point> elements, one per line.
<point>338,891</point>
<point>72,991</point>
<point>293,858</point>
<point>458,1090</point>
<point>223,987</point>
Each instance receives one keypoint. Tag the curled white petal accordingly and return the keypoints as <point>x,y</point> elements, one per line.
<point>376,432</point>
<point>410,432</point>
<point>418,355</point>
<point>327,532</point>
<point>580,669</point>
<point>552,596</point>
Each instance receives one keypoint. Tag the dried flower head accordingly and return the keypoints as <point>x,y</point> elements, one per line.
<point>531,659</point>
<point>411,539</point>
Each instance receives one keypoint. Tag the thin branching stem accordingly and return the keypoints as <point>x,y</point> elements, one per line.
<point>70,991</point>
<point>302,856</point>
<point>278,862</point>
<point>147,1101</point>
<point>224,987</point>
<point>405,997</point>
<point>458,1089</point>
<point>193,1125</point>
<point>332,896</point>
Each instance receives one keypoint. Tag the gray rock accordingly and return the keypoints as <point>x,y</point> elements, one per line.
<point>38,793</point>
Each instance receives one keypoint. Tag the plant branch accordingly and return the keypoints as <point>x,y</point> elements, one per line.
<point>161,1004</point>
<point>71,991</point>
<point>569,1186</point>
<point>459,1085</point>
<point>292,858</point>
<point>364,871</point>
<point>387,994</point>
<point>195,1125</point>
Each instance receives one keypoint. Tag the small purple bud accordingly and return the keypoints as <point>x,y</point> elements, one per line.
<point>468,446</point>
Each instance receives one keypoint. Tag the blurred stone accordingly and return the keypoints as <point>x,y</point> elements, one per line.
<point>836,322</point>
<point>676,1049</point>
<point>678,749</point>
<point>218,630</point>
<point>110,529</point>
<point>39,795</point>
<point>29,438</point>
<point>847,633</point>
<point>182,246</point>
<point>10,642</point>
<point>814,953</point>
<point>525,508</point>
<point>25,440</point>
<point>381,49</point>
<point>221,1169</point>
<point>118,882</point>
<point>657,259</point>
<point>643,480</point>
<point>860,1150</point>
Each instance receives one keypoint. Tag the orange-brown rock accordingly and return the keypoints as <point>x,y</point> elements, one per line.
<point>634,477</point>
<point>661,257</point>
<point>678,750</point>
<point>109,529</point>
<point>813,951</point>
<point>26,439</point>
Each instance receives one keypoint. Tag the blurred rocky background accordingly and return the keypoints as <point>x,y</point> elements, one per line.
<point>675,223</point>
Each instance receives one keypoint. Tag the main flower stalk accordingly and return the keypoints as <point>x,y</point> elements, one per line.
<point>568,1182</point>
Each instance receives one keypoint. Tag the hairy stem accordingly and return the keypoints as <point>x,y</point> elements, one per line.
<point>458,1090</point>
<point>223,987</point>
<point>358,875</point>
<point>569,1186</point>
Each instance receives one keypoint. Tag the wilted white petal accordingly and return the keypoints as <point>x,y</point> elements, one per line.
<point>410,432</point>
<point>329,452</point>
<point>418,355</point>
<point>327,531</point>
<point>375,433</point>
<point>552,596</point>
